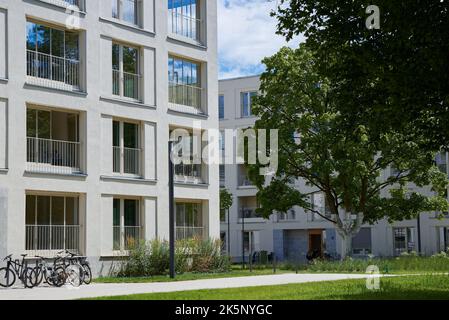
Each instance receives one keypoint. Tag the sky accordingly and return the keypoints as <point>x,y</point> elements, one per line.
<point>246,34</point>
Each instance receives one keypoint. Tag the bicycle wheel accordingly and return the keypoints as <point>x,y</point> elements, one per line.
<point>7,277</point>
<point>58,277</point>
<point>29,278</point>
<point>73,276</point>
<point>38,276</point>
<point>87,279</point>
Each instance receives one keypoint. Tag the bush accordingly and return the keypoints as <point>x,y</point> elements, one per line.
<point>192,255</point>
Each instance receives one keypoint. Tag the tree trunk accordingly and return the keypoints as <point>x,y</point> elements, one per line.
<point>346,245</point>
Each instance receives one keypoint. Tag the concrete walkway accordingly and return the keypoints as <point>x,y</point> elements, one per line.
<point>100,290</point>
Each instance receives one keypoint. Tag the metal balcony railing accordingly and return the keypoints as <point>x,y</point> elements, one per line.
<point>248,213</point>
<point>185,26</point>
<point>185,95</point>
<point>127,237</point>
<point>53,238</point>
<point>189,232</point>
<point>126,160</point>
<point>188,171</point>
<point>53,70</point>
<point>244,181</point>
<point>53,156</point>
<point>126,84</point>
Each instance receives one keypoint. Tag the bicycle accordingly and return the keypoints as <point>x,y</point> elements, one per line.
<point>16,269</point>
<point>52,275</point>
<point>80,262</point>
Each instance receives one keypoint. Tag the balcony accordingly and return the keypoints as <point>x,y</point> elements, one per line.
<point>127,238</point>
<point>52,71</point>
<point>126,160</point>
<point>189,233</point>
<point>248,213</point>
<point>126,85</point>
<point>53,156</point>
<point>188,173</point>
<point>186,98</point>
<point>185,26</point>
<point>49,239</point>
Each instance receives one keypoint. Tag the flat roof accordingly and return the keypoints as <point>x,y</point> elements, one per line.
<point>242,77</point>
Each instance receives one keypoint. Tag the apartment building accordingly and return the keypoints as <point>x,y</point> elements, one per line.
<point>89,94</point>
<point>291,235</point>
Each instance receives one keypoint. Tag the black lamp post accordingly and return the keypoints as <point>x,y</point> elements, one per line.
<point>171,199</point>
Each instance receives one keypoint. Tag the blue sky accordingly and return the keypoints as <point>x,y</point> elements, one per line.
<point>246,34</point>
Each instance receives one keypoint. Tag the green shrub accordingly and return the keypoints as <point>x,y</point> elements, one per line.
<point>192,255</point>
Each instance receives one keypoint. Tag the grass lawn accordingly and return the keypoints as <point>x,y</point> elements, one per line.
<point>410,287</point>
<point>235,272</point>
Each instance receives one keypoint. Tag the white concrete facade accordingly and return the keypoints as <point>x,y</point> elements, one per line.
<point>291,236</point>
<point>143,104</point>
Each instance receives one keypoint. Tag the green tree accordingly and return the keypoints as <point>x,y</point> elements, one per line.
<point>340,158</point>
<point>225,201</point>
<point>386,77</point>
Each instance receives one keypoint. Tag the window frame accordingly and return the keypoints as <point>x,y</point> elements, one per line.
<point>118,5</point>
<point>122,221</point>
<point>121,72</point>
<point>248,96</point>
<point>122,147</point>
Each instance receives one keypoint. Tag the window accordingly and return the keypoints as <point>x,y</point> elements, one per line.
<point>319,203</point>
<point>125,72</point>
<point>440,161</point>
<point>250,239</point>
<point>126,223</point>
<point>222,175</point>
<point>3,44</point>
<point>184,82</point>
<point>188,170</point>
<point>247,207</point>
<point>126,10</point>
<point>53,141</point>
<point>221,107</point>
<point>126,148</point>
<point>246,103</point>
<point>361,243</point>
<point>223,241</point>
<point>53,54</point>
<point>404,240</point>
<point>52,223</point>
<point>443,239</point>
<point>184,18</point>
<point>189,221</point>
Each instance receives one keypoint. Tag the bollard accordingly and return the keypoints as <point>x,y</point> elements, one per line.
<point>274,263</point>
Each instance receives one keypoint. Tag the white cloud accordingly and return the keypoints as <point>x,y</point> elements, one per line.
<point>246,34</point>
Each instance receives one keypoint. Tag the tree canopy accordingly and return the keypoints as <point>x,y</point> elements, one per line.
<point>386,77</point>
<point>343,159</point>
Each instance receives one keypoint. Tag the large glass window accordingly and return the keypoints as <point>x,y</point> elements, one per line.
<point>53,139</point>
<point>126,10</point>
<point>361,243</point>
<point>404,240</point>
<point>184,82</point>
<point>184,18</point>
<point>246,103</point>
<point>53,54</point>
<point>52,223</point>
<point>189,220</point>
<point>221,106</point>
<point>126,147</point>
<point>125,71</point>
<point>126,223</point>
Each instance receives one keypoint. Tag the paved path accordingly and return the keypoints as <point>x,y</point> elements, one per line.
<point>100,290</point>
